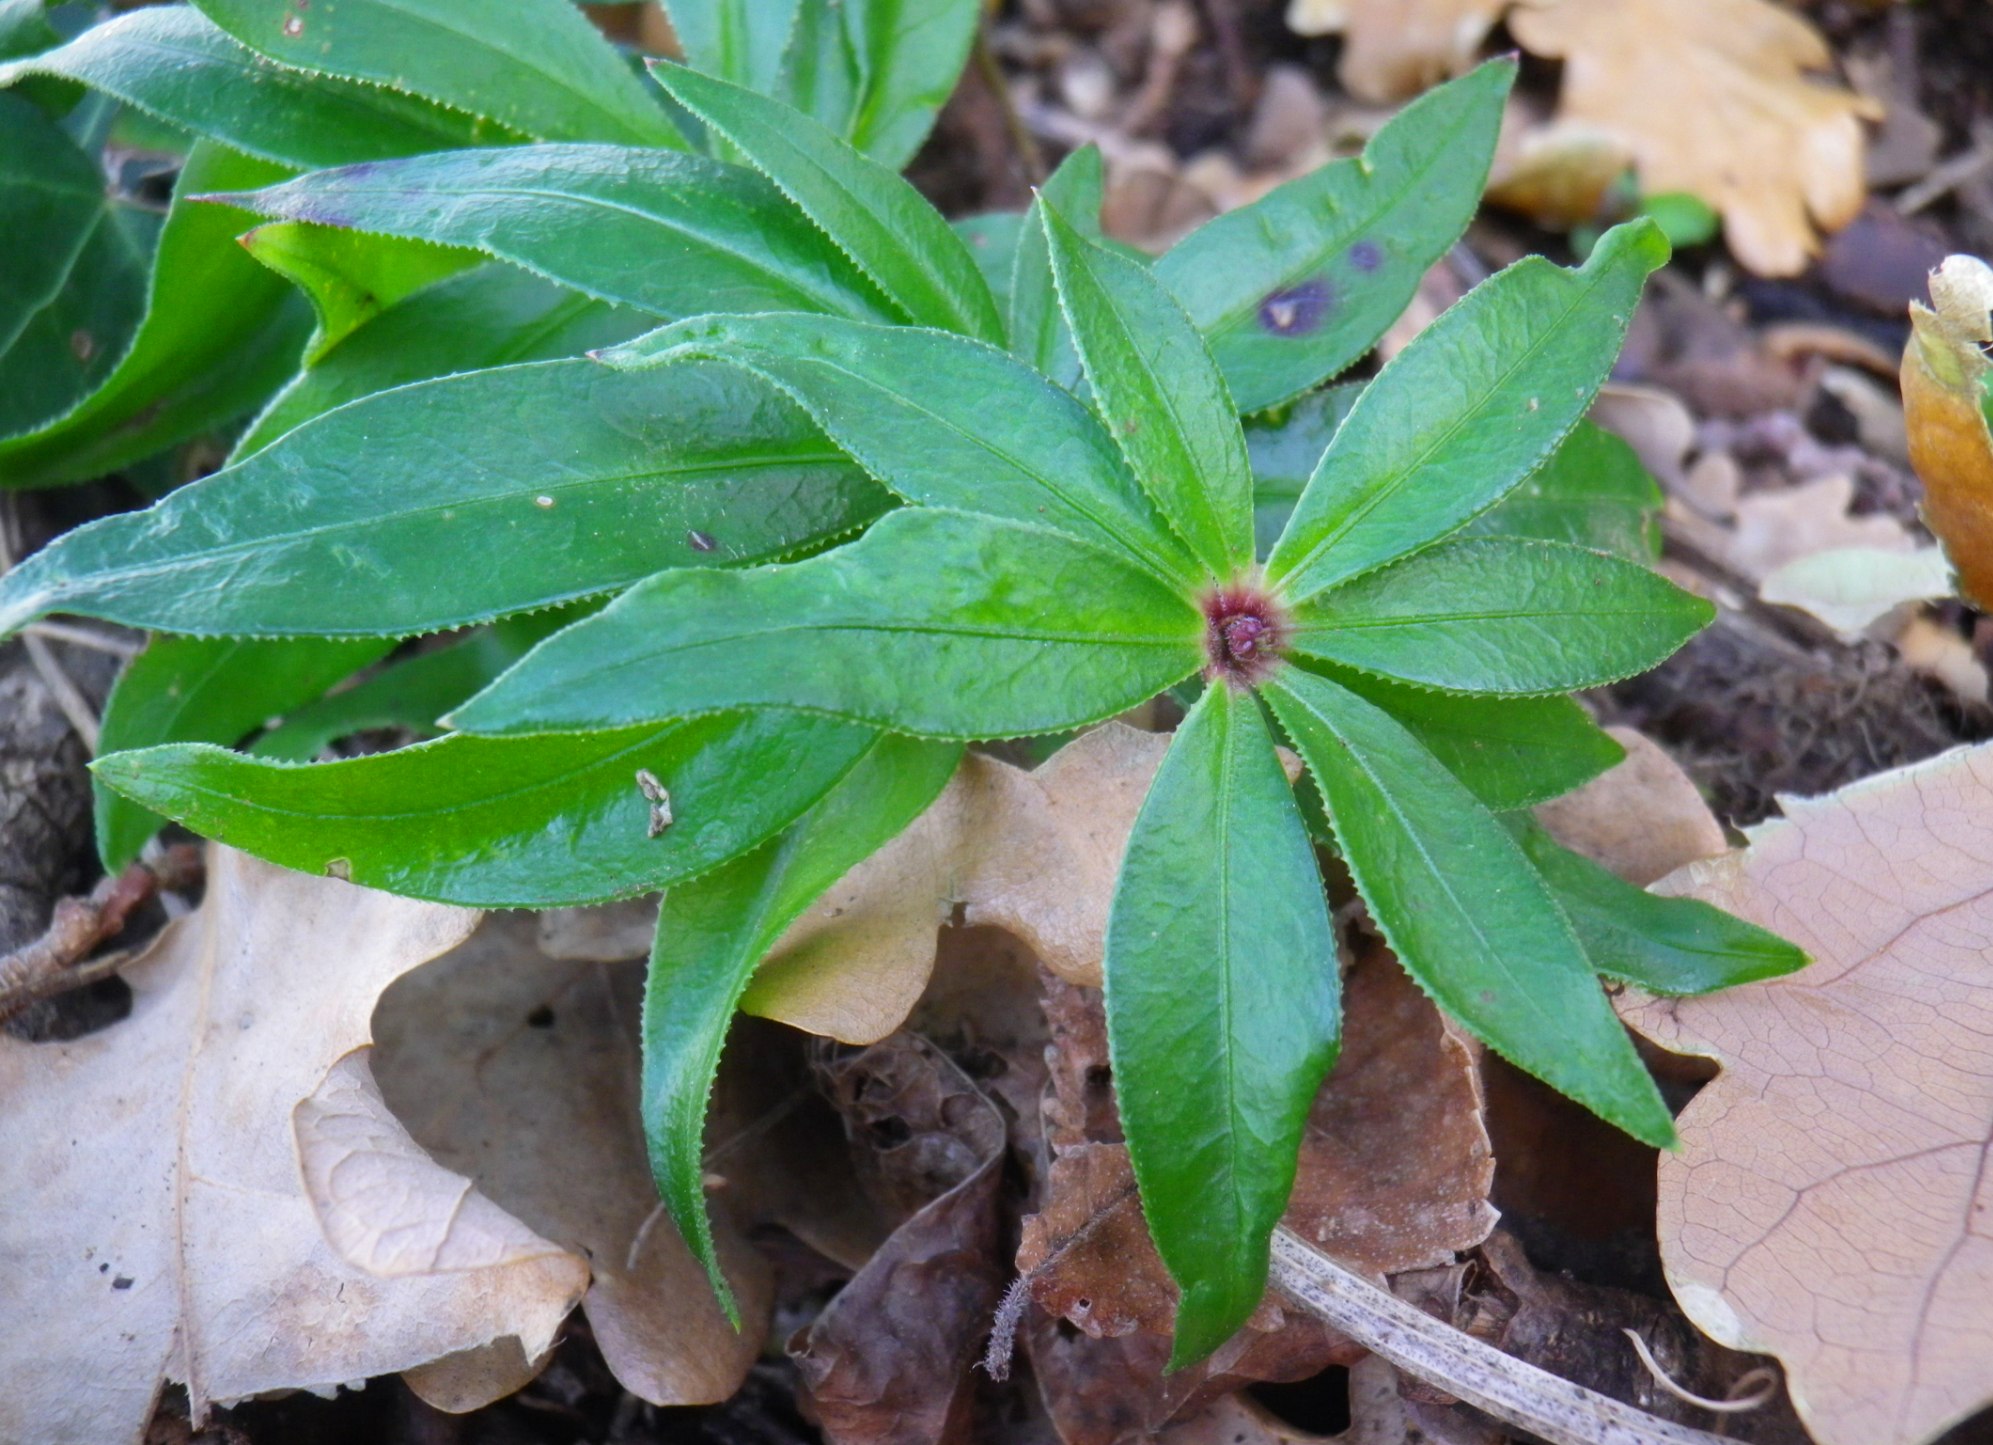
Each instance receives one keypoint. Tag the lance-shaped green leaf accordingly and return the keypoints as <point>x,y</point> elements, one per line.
<point>410,693</point>
<point>461,499</point>
<point>175,63</point>
<point>877,218</point>
<point>508,822</point>
<point>676,235</point>
<point>1285,444</point>
<point>1460,905</point>
<point>494,316</point>
<point>73,284</point>
<point>1160,394</point>
<point>536,66</point>
<point>1511,752</point>
<point>991,237</point>
<point>876,72</point>
<point>738,40</point>
<point>1038,333</point>
<point>348,276</point>
<point>1477,402</point>
<point>934,622</point>
<point>207,690</point>
<point>220,333</point>
<point>711,934</point>
<point>1222,1008</point>
<point>942,420</point>
<point>1295,287</point>
<point>1664,945</point>
<point>1593,492</point>
<point>1502,615</point>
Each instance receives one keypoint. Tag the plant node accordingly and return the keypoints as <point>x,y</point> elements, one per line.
<point>1245,634</point>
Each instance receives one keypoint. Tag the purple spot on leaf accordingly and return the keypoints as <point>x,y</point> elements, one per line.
<point>1366,255</point>
<point>1297,310</point>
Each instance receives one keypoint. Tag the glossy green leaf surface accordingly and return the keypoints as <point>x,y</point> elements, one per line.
<point>877,72</point>
<point>460,499</point>
<point>738,40</point>
<point>1502,615</point>
<point>1295,287</point>
<point>219,335</point>
<point>1593,492</point>
<point>711,934</point>
<point>1459,903</point>
<point>1159,393</point>
<point>73,284</point>
<point>1664,945</point>
<point>1222,1008</point>
<point>409,693</point>
<point>508,822</point>
<point>1477,402</point>
<point>935,623</point>
<point>175,63</point>
<point>1039,336</point>
<point>1285,444</point>
<point>991,237</point>
<point>942,420</point>
<point>494,316</point>
<point>535,66</point>
<point>675,235</point>
<point>348,276</point>
<point>1511,752</point>
<point>880,221</point>
<point>207,690</point>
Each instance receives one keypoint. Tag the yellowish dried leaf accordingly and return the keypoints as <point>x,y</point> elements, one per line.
<point>1832,1201</point>
<point>1393,49</point>
<point>1944,389</point>
<point>1034,853</point>
<point>158,1225</point>
<point>1713,97</point>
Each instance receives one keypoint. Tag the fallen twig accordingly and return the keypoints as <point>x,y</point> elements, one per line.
<point>54,962</point>
<point>1479,1374</point>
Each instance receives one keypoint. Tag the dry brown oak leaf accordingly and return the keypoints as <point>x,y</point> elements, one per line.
<point>1832,1201</point>
<point>1393,49</point>
<point>1944,379</point>
<point>1713,97</point>
<point>157,1224</point>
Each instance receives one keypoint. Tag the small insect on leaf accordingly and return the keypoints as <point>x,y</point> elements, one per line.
<point>659,799</point>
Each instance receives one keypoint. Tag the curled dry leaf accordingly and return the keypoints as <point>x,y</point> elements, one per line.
<point>1034,853</point>
<point>1944,402</point>
<point>521,1071</point>
<point>1393,49</point>
<point>1712,97</point>
<point>1832,1202</point>
<point>888,1361</point>
<point>157,1226</point>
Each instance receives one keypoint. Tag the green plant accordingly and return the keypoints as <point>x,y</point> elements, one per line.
<point>1055,508</point>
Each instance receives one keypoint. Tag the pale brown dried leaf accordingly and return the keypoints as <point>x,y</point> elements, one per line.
<point>1393,49</point>
<point>157,1225</point>
<point>1642,818</point>
<point>1714,97</point>
<point>1034,853</point>
<point>1832,1201</point>
<point>521,1071</point>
